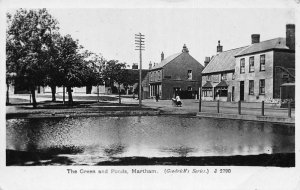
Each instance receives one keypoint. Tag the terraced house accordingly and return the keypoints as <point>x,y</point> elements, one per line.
<point>177,74</point>
<point>254,73</point>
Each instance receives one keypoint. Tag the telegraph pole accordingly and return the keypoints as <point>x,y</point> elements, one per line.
<point>140,46</point>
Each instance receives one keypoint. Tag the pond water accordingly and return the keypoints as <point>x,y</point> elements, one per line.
<point>90,140</point>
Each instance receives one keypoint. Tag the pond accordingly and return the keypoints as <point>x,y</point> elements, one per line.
<point>90,140</point>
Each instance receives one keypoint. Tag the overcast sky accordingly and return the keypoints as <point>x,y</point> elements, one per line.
<point>111,31</point>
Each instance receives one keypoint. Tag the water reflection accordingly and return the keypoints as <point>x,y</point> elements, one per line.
<point>114,150</point>
<point>181,151</point>
<point>92,139</point>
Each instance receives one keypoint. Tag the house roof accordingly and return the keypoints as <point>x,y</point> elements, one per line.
<point>222,84</point>
<point>277,43</point>
<point>166,61</point>
<point>223,61</point>
<point>207,85</point>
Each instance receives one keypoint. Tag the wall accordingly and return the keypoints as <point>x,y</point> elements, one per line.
<point>286,60</point>
<point>256,76</point>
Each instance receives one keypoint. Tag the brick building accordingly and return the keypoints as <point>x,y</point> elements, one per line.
<point>252,73</point>
<point>177,74</point>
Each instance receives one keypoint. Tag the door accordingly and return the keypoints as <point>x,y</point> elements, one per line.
<point>232,94</point>
<point>242,90</point>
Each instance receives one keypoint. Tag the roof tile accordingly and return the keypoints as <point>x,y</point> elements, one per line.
<point>223,61</point>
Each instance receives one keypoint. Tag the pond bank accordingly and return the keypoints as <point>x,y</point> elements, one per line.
<point>266,160</point>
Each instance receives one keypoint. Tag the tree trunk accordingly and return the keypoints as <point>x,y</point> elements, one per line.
<point>7,94</point>
<point>69,89</point>
<point>34,104</point>
<point>53,91</point>
<point>119,94</point>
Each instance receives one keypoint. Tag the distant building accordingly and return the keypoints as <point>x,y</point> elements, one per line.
<point>252,73</point>
<point>177,74</point>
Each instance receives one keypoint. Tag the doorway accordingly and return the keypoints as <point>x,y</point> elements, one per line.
<point>242,90</point>
<point>232,94</point>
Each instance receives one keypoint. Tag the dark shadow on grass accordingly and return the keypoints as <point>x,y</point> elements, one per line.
<point>48,156</point>
<point>265,160</point>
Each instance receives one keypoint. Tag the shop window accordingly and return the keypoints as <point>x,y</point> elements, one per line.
<point>207,92</point>
<point>222,92</point>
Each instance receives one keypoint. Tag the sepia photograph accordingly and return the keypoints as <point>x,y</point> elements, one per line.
<point>112,89</point>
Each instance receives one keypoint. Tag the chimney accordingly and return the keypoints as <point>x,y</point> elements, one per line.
<point>185,49</point>
<point>162,56</point>
<point>135,66</point>
<point>206,61</point>
<point>290,36</point>
<point>150,65</point>
<point>219,47</point>
<point>255,38</point>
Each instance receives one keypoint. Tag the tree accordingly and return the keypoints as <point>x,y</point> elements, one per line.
<point>93,65</point>
<point>70,64</point>
<point>115,72</point>
<point>27,46</point>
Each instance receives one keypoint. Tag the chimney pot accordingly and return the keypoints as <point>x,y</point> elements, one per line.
<point>206,61</point>
<point>290,36</point>
<point>255,38</point>
<point>219,47</point>
<point>185,49</point>
<point>150,65</point>
<point>162,56</point>
<point>135,66</point>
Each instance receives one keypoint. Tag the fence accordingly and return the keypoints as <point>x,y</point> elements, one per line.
<point>247,108</point>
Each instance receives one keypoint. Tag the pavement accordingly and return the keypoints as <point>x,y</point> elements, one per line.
<point>249,111</point>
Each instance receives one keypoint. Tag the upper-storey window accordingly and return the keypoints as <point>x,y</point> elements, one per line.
<point>224,76</point>
<point>262,62</point>
<point>208,78</point>
<point>159,75</point>
<point>242,65</point>
<point>251,64</point>
<point>190,76</point>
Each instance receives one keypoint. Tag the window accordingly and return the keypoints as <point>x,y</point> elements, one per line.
<point>224,76</point>
<point>190,74</point>
<point>262,86</point>
<point>159,75</point>
<point>208,78</point>
<point>207,92</point>
<point>262,62</point>
<point>242,65</point>
<point>151,76</point>
<point>222,92</point>
<point>251,64</point>
<point>251,87</point>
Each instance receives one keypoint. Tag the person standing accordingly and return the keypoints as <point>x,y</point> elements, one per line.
<point>156,97</point>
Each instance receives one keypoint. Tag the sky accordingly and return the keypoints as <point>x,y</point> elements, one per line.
<point>111,31</point>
